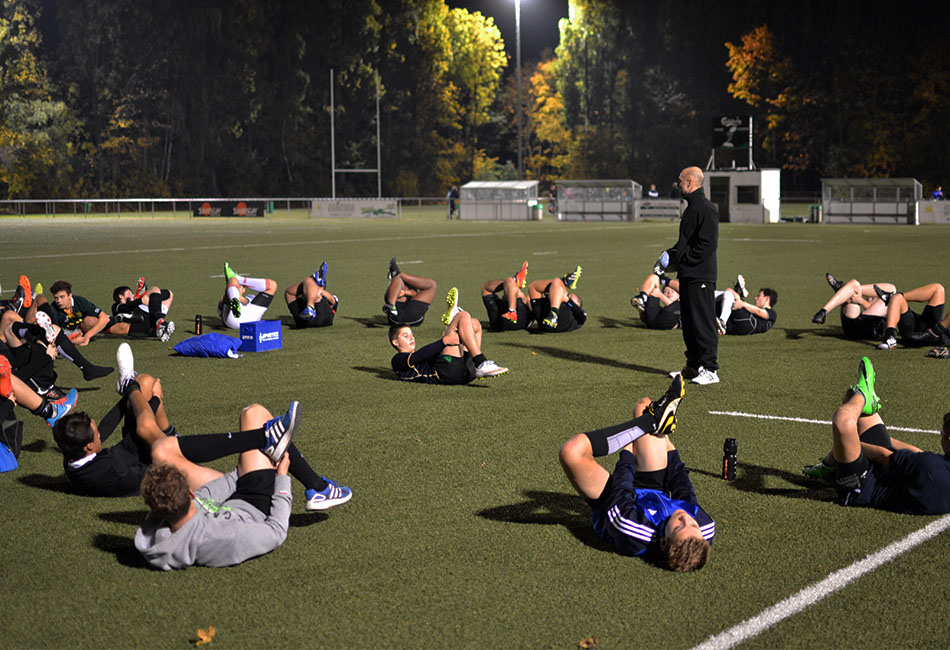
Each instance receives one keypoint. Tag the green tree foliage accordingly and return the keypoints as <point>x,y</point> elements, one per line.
<point>476,60</point>
<point>35,129</point>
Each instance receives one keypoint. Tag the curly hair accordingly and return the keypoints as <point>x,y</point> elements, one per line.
<point>165,491</point>
<point>687,554</point>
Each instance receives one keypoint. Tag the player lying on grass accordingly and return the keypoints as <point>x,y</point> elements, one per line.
<point>143,312</point>
<point>744,318</point>
<point>554,306</point>
<point>871,469</point>
<point>13,392</point>
<point>647,507</point>
<point>77,316</point>
<point>27,343</point>
<point>915,329</point>
<point>309,302</point>
<point>148,436</point>
<point>407,297</point>
<point>456,358</point>
<point>862,311</point>
<point>235,307</point>
<point>658,302</point>
<point>508,311</point>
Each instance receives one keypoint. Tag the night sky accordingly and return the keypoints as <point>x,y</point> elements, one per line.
<point>538,23</point>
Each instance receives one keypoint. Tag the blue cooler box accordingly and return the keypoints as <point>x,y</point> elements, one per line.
<point>260,336</point>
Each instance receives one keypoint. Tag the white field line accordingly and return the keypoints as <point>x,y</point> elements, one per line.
<point>810,595</point>
<point>758,416</point>
<point>790,241</point>
<point>545,253</point>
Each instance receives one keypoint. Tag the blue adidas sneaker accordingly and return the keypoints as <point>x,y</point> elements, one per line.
<point>332,495</point>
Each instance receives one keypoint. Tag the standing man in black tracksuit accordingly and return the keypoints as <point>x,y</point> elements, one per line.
<point>694,260</point>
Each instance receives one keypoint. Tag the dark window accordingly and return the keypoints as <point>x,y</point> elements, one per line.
<point>747,193</point>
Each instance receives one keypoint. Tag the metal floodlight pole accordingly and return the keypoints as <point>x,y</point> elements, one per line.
<point>332,141</point>
<point>379,166</point>
<point>518,73</point>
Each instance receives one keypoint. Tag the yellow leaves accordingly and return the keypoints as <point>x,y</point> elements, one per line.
<point>205,636</point>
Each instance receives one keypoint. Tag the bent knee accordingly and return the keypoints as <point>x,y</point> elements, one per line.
<point>254,416</point>
<point>641,406</point>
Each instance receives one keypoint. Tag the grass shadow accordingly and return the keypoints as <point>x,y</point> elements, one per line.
<point>127,517</point>
<point>606,322</point>
<point>49,483</point>
<point>751,478</point>
<point>35,447</point>
<point>373,321</point>
<point>381,373</point>
<point>304,519</point>
<point>827,332</point>
<point>551,509</point>
<point>587,358</point>
<point>122,548</point>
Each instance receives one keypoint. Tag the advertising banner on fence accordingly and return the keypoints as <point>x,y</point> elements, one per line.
<point>231,209</point>
<point>360,208</point>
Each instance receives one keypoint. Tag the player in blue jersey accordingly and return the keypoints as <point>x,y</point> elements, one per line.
<point>647,506</point>
<point>871,469</point>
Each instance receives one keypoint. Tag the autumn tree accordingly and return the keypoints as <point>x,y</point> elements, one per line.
<point>36,128</point>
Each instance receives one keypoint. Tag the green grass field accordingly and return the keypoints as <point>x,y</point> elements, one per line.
<point>463,531</point>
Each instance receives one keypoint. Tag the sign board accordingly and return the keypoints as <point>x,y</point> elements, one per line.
<point>732,132</point>
<point>231,209</point>
<point>260,336</point>
<point>354,209</point>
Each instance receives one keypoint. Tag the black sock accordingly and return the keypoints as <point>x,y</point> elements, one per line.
<point>45,410</point>
<point>206,447</point>
<point>111,420</point>
<point>90,371</point>
<point>612,439</point>
<point>933,313</point>
<point>154,307</point>
<point>478,359</point>
<point>890,332</point>
<point>300,469</point>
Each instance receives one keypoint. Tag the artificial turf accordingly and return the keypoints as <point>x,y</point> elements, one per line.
<point>463,531</point>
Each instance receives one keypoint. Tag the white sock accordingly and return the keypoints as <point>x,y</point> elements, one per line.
<point>234,292</point>
<point>257,284</point>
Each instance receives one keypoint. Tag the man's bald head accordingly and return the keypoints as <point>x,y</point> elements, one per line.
<point>690,180</point>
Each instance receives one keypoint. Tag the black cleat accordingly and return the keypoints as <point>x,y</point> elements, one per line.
<point>664,409</point>
<point>393,268</point>
<point>819,317</point>
<point>835,283</point>
<point>885,296</point>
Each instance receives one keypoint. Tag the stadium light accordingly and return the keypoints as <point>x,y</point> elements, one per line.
<point>518,73</point>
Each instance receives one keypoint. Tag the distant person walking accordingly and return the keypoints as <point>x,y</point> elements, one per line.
<point>694,260</point>
<point>938,193</point>
<point>652,193</point>
<point>452,197</point>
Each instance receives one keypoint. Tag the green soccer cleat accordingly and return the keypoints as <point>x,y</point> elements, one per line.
<point>865,386</point>
<point>235,307</point>
<point>820,470</point>
<point>228,272</point>
<point>572,278</point>
<point>452,306</point>
<point>664,409</point>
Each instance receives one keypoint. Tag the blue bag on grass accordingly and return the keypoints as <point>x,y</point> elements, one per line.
<point>7,459</point>
<point>209,345</point>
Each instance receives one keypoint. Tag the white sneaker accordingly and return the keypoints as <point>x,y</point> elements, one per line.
<point>42,319</point>
<point>125,364</point>
<point>489,369</point>
<point>740,287</point>
<point>706,377</point>
<point>164,330</point>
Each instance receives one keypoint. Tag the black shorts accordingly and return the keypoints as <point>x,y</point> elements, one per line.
<point>565,316</point>
<point>864,328</point>
<point>257,489</point>
<point>657,317</point>
<point>495,307</point>
<point>454,370</point>
<point>324,317</point>
<point>409,312</point>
